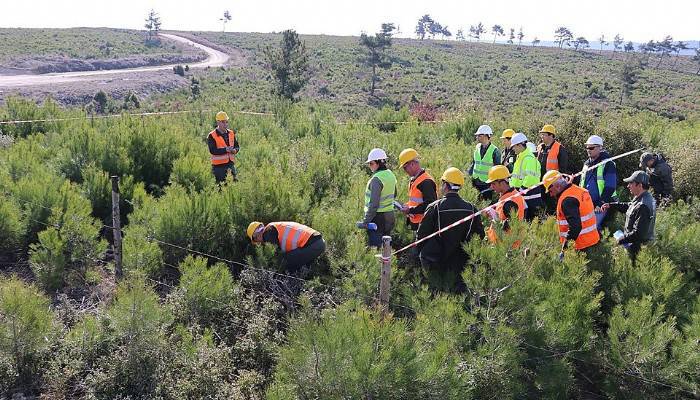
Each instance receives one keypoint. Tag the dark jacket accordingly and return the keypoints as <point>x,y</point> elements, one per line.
<point>429,191</point>
<point>610,176</point>
<point>270,235</point>
<point>660,178</point>
<point>563,158</point>
<point>509,158</point>
<point>447,247</point>
<point>640,218</point>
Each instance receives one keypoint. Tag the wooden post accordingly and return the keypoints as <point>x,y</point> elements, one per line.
<point>116,228</point>
<point>385,275</point>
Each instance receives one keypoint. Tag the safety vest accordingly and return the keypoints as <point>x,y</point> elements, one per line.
<point>292,235</point>
<point>483,165</point>
<point>589,232</point>
<point>415,196</point>
<point>553,157</point>
<point>600,179</point>
<point>526,174</point>
<point>515,197</point>
<point>222,159</point>
<point>386,198</point>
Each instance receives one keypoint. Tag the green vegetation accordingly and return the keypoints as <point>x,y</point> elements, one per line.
<point>232,325</point>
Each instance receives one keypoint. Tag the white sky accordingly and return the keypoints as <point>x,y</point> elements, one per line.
<point>638,21</point>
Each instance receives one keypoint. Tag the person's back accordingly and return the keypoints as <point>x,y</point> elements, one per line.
<point>660,178</point>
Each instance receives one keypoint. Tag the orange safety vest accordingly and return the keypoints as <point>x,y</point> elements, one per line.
<point>222,159</point>
<point>292,235</point>
<point>415,196</point>
<point>589,232</point>
<point>553,157</point>
<point>516,197</point>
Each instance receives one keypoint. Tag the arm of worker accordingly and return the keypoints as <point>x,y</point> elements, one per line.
<point>570,208</point>
<point>212,147</point>
<point>610,176</point>
<point>470,171</point>
<point>508,208</point>
<point>428,225</point>
<point>477,227</point>
<point>666,181</point>
<point>375,187</point>
<point>236,146</point>
<point>497,156</point>
<point>563,159</point>
<point>270,236</point>
<point>642,220</point>
<point>617,206</point>
<point>429,191</point>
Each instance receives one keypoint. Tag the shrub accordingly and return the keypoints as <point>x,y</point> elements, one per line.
<point>11,227</point>
<point>685,160</point>
<point>192,172</point>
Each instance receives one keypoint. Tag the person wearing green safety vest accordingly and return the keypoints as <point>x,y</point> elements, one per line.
<point>379,198</point>
<point>486,155</point>
<point>600,182</point>
<point>526,174</point>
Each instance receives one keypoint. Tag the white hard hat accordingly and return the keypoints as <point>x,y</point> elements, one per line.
<point>532,147</point>
<point>518,138</point>
<point>595,140</point>
<point>484,130</point>
<point>376,154</point>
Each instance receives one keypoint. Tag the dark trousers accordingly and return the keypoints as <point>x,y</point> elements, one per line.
<point>300,257</point>
<point>385,224</point>
<point>443,276</point>
<point>220,171</point>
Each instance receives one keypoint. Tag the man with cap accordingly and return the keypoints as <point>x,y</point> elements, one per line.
<point>526,175</point>
<point>507,152</point>
<point>379,198</point>
<point>486,155</point>
<point>300,245</point>
<point>640,214</point>
<point>443,257</point>
<point>421,188</point>
<point>601,182</point>
<point>223,147</point>
<point>660,176</point>
<point>575,212</point>
<point>552,155</point>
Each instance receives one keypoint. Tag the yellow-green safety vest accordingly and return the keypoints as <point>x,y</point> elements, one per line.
<point>386,198</point>
<point>600,178</point>
<point>483,165</point>
<point>526,170</point>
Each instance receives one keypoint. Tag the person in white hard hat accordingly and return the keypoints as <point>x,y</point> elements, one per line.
<point>600,182</point>
<point>486,155</point>
<point>379,198</point>
<point>526,174</point>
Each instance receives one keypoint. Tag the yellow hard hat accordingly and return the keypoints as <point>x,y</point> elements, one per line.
<point>498,172</point>
<point>549,129</point>
<point>221,116</point>
<point>507,134</point>
<point>453,176</point>
<point>407,155</point>
<point>549,178</point>
<point>252,227</point>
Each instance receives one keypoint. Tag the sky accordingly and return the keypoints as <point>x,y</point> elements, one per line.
<point>638,21</point>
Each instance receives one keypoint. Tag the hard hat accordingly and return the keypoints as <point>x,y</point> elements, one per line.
<point>549,129</point>
<point>549,178</point>
<point>453,176</point>
<point>594,140</point>
<point>518,138</point>
<point>484,130</point>
<point>507,134</point>
<point>498,172</point>
<point>252,227</point>
<point>376,154</point>
<point>221,116</point>
<point>407,155</point>
<point>532,147</point>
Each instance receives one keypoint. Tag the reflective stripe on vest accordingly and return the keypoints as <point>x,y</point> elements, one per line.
<point>525,174</point>
<point>415,196</point>
<point>221,159</point>
<point>552,162</point>
<point>483,165</point>
<point>386,198</point>
<point>589,233</point>
<point>292,235</point>
<point>600,178</point>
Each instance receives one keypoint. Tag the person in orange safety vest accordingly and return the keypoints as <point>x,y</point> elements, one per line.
<point>510,201</point>
<point>223,147</point>
<point>299,244</point>
<point>422,189</point>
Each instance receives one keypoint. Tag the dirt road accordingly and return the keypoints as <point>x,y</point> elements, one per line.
<point>215,59</point>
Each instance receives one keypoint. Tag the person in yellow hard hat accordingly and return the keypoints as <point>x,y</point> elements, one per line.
<point>510,201</point>
<point>223,147</point>
<point>508,155</point>
<point>552,155</point>
<point>421,188</point>
<point>300,245</point>
<point>442,257</point>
